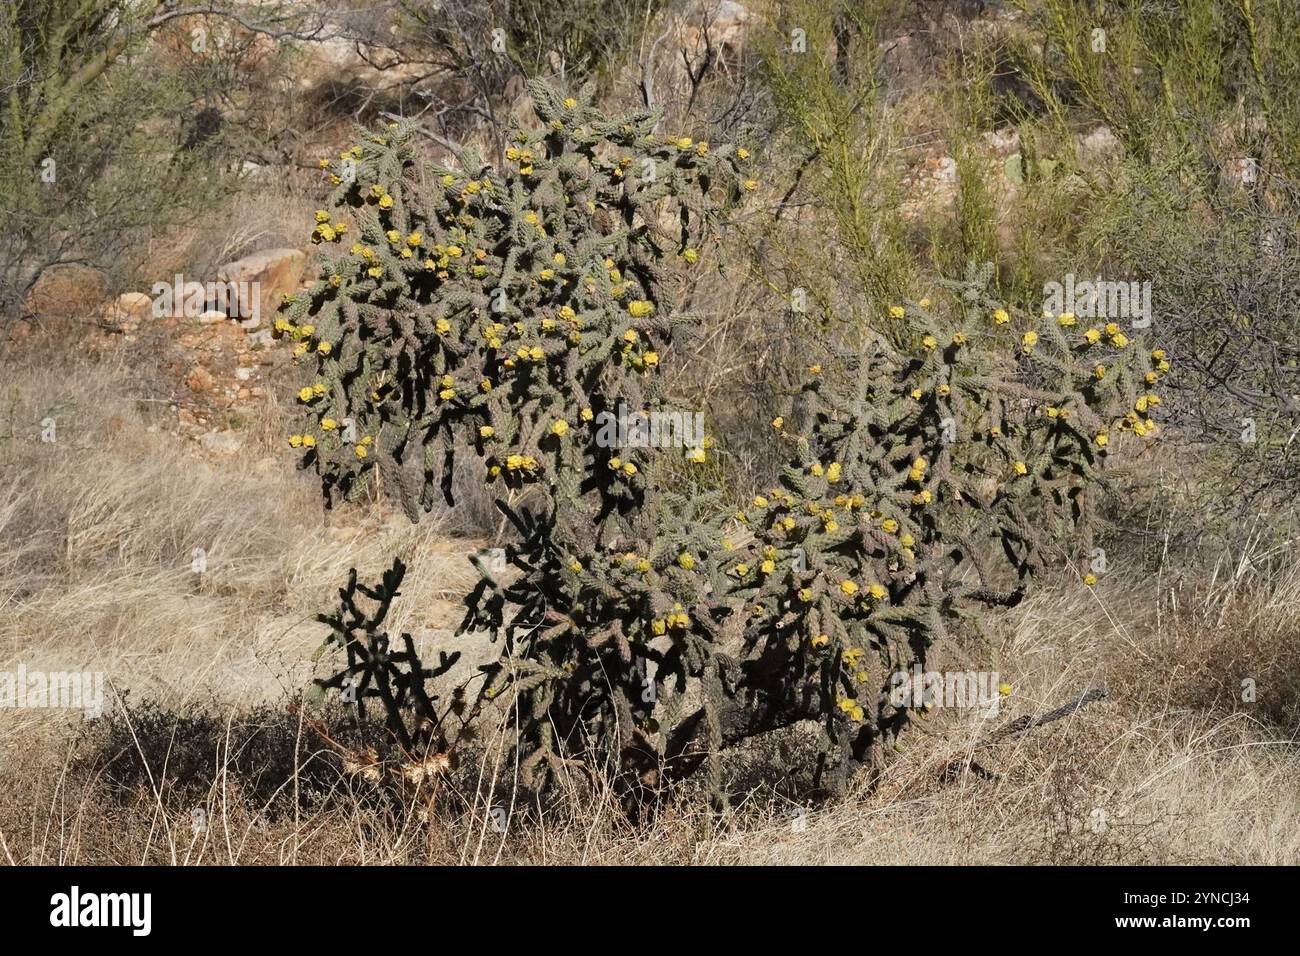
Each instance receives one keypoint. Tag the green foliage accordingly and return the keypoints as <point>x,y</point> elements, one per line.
<point>830,114</point>
<point>82,172</point>
<point>640,626</point>
<point>1200,201</point>
<point>1191,80</point>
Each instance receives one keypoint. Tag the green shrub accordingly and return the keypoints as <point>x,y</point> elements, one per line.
<point>88,164</point>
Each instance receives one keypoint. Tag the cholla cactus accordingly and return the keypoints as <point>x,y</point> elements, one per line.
<point>509,311</point>
<point>967,449</point>
<point>512,311</point>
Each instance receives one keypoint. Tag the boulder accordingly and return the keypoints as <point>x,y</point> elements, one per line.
<point>1097,146</point>
<point>264,278</point>
<point>706,29</point>
<point>721,24</point>
<point>134,305</point>
<point>68,292</point>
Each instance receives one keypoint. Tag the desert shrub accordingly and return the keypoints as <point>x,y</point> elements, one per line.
<point>87,164</point>
<point>930,470</point>
<point>1199,201</point>
<point>829,120</point>
<point>185,755</point>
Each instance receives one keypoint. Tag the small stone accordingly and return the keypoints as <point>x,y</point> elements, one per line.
<point>199,379</point>
<point>221,443</point>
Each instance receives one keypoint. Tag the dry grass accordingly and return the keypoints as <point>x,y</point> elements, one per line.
<point>97,532</point>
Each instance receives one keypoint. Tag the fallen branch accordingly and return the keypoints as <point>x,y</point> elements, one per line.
<point>1019,728</point>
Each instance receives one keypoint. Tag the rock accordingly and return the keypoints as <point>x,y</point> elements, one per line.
<point>906,65</point>
<point>338,61</point>
<point>221,443</point>
<point>1098,145</point>
<point>707,27</point>
<point>199,379</point>
<point>725,22</point>
<point>255,285</point>
<point>1240,171</point>
<point>212,317</point>
<point>136,305</point>
<point>260,339</point>
<point>243,373</point>
<point>68,292</point>
<point>1004,142</point>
